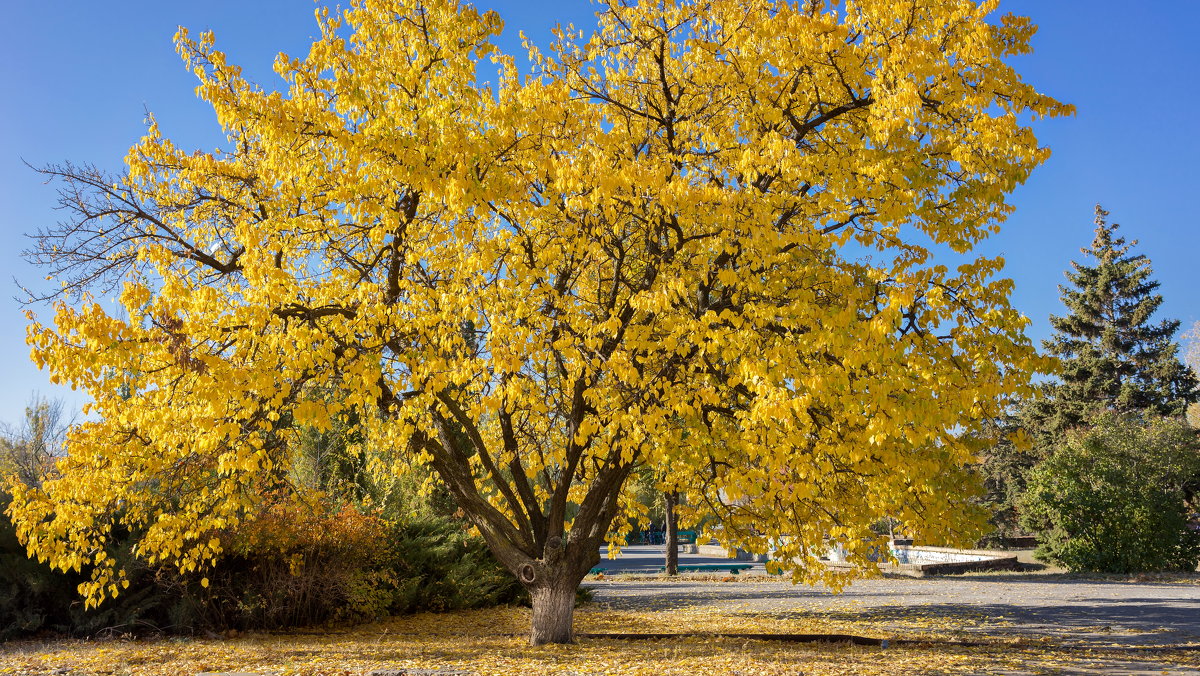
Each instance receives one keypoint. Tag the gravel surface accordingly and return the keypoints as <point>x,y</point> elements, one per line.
<point>1064,609</point>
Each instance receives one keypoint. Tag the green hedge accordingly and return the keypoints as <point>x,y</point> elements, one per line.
<point>361,572</point>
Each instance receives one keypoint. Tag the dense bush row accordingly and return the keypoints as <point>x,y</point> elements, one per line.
<point>388,543</point>
<point>1116,498</point>
<point>287,567</point>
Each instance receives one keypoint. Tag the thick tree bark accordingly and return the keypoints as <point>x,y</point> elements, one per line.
<point>553,612</point>
<point>552,582</point>
<point>672,534</point>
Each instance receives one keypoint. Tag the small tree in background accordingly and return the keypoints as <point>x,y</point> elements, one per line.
<point>28,450</point>
<point>1192,358</point>
<point>1004,465</point>
<point>1118,498</point>
<point>671,533</point>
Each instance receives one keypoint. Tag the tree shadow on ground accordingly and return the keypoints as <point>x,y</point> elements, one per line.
<point>1173,580</point>
<point>1131,622</point>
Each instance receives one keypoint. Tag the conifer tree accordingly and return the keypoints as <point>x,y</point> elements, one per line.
<point>1114,358</point>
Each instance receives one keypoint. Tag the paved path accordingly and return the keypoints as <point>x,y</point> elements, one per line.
<point>650,559</point>
<point>1076,611</point>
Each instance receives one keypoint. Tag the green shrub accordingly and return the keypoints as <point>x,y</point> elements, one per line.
<point>35,598</point>
<point>285,568</point>
<point>32,596</point>
<point>295,562</point>
<point>293,569</point>
<point>1116,498</point>
<point>443,567</point>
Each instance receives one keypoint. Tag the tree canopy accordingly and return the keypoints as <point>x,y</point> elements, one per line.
<point>700,239</point>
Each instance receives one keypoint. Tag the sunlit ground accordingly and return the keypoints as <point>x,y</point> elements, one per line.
<point>492,642</point>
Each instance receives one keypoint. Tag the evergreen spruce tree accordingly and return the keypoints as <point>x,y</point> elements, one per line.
<point>1114,358</point>
<point>1121,374</point>
<point>1003,466</point>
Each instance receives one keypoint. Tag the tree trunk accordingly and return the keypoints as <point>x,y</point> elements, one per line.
<point>552,581</point>
<point>672,534</point>
<point>553,613</point>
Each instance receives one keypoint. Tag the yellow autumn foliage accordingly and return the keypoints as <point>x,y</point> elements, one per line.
<point>703,239</point>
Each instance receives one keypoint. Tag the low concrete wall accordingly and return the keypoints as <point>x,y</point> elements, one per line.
<point>927,560</point>
<point>739,555</point>
<point>714,550</point>
<point>980,560</point>
<point>919,555</point>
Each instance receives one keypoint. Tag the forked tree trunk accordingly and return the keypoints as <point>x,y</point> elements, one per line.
<point>553,612</point>
<point>672,534</point>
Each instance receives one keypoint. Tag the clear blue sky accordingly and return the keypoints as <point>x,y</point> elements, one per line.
<point>76,77</point>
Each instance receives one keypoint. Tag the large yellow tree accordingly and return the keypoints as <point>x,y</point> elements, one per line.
<point>700,239</point>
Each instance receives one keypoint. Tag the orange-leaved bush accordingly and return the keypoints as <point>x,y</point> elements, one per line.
<point>294,564</point>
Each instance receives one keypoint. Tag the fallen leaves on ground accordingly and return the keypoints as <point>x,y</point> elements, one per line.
<point>493,642</point>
